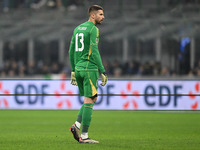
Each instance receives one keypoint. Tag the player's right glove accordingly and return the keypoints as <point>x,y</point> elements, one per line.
<point>73,79</point>
<point>104,79</point>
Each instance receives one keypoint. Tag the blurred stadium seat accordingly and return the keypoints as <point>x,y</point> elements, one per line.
<point>145,32</point>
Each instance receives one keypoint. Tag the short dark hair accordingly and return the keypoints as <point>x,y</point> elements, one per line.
<point>94,8</point>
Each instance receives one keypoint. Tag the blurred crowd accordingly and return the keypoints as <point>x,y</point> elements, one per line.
<point>19,69</point>
<point>6,5</point>
<point>151,68</point>
<point>37,4</point>
<point>113,69</point>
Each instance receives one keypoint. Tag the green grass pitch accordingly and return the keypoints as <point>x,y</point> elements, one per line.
<point>115,130</point>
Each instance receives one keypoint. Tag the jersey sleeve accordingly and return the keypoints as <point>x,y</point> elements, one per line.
<point>94,40</point>
<point>71,53</point>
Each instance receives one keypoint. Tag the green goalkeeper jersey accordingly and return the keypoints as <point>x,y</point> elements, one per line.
<point>83,52</point>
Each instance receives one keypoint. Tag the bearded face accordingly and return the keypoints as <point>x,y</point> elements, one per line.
<point>99,16</point>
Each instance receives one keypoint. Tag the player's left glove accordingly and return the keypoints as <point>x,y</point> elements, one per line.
<point>104,79</point>
<point>73,79</point>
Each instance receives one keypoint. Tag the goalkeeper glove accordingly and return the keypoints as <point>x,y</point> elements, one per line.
<point>104,79</point>
<point>73,79</point>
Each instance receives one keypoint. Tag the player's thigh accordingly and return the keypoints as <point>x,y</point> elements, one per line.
<point>91,83</point>
<point>80,79</point>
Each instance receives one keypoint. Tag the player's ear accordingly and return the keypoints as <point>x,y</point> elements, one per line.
<point>93,15</point>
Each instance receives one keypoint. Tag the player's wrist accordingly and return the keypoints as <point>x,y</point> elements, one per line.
<point>104,73</point>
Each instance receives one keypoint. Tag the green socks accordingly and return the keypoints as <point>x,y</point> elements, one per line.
<point>87,116</point>
<point>79,118</point>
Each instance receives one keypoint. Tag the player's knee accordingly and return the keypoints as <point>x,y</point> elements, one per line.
<point>94,98</point>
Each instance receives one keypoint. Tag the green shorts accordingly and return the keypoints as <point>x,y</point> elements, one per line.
<point>87,82</point>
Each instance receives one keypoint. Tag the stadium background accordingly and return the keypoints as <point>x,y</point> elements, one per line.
<point>139,39</point>
<point>149,47</point>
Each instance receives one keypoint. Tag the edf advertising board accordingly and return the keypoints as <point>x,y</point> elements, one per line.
<point>147,95</point>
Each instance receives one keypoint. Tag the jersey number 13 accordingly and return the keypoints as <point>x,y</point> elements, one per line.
<point>79,38</point>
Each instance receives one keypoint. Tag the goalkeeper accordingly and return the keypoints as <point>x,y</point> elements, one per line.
<point>85,63</point>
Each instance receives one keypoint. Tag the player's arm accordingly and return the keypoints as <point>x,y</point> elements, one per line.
<point>71,59</point>
<point>94,35</point>
<point>71,53</point>
<point>95,53</point>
